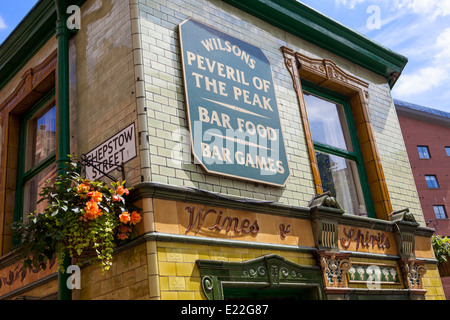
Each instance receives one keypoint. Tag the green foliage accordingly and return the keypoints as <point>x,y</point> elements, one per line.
<point>441,248</point>
<point>81,217</point>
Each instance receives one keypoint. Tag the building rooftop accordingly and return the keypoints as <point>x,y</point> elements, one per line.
<point>414,108</point>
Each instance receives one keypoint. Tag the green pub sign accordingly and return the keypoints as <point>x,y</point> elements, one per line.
<point>232,109</point>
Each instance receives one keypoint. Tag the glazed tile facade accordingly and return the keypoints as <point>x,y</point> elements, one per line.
<point>125,67</point>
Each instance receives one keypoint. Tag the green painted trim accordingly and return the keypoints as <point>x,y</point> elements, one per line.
<point>62,120</point>
<point>266,272</point>
<point>23,176</point>
<point>335,151</point>
<point>39,167</point>
<point>27,38</point>
<point>35,30</point>
<point>62,88</point>
<point>356,155</point>
<point>306,23</point>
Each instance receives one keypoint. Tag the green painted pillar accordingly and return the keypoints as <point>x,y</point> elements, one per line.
<point>62,118</point>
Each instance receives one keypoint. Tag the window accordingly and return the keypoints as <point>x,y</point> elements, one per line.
<point>439,211</point>
<point>423,152</point>
<point>337,151</point>
<point>432,182</point>
<point>447,151</point>
<point>37,159</point>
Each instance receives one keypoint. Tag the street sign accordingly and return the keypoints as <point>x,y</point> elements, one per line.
<point>232,108</point>
<point>109,155</point>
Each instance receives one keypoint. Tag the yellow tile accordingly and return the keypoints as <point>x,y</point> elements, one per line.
<point>164,283</point>
<point>167,268</point>
<point>193,284</point>
<point>190,256</point>
<point>184,269</point>
<point>168,295</point>
<point>177,283</point>
<point>200,296</point>
<point>186,295</point>
<point>174,255</point>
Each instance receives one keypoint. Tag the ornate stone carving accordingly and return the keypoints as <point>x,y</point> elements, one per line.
<point>334,268</point>
<point>413,272</point>
<point>324,200</point>
<point>30,80</point>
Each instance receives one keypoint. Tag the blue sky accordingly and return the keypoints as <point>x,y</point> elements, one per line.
<point>417,29</point>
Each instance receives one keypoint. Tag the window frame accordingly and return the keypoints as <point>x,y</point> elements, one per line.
<point>356,154</point>
<point>435,180</point>
<point>428,152</point>
<point>24,175</point>
<point>444,212</point>
<point>327,74</point>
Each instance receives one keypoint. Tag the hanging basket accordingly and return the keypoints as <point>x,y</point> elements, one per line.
<point>444,269</point>
<point>87,253</point>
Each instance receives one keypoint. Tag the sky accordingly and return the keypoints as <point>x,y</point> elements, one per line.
<point>417,29</point>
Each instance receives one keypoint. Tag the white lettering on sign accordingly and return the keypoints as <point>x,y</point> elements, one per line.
<point>118,149</point>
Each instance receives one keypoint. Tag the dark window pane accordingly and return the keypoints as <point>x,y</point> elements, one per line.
<point>340,177</point>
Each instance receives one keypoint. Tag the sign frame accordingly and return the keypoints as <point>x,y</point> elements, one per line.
<point>112,165</point>
<point>192,130</point>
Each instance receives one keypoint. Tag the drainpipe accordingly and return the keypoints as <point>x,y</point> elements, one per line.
<point>62,119</point>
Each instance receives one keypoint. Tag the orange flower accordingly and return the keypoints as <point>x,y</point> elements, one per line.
<point>124,232</point>
<point>122,236</point>
<point>124,229</point>
<point>82,188</point>
<point>124,217</point>
<point>92,210</point>
<point>135,217</point>
<point>115,198</point>
<point>97,196</point>
<point>121,190</point>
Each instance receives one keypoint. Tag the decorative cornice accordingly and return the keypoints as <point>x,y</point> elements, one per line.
<point>308,24</point>
<point>170,192</point>
<point>28,37</point>
<point>34,79</point>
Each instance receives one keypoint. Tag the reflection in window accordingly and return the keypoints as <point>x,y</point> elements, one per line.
<point>424,153</point>
<point>37,155</point>
<point>335,153</point>
<point>439,211</point>
<point>327,122</point>
<point>33,188</point>
<point>340,177</point>
<point>432,182</point>
<point>41,137</point>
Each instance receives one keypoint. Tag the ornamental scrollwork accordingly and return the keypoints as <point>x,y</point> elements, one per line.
<point>335,268</point>
<point>413,272</point>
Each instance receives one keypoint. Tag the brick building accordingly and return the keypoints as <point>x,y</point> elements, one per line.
<point>426,133</point>
<point>265,137</point>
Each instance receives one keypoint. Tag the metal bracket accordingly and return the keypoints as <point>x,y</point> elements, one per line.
<point>84,161</point>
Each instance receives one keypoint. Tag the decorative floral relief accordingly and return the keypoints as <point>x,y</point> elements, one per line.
<point>371,273</point>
